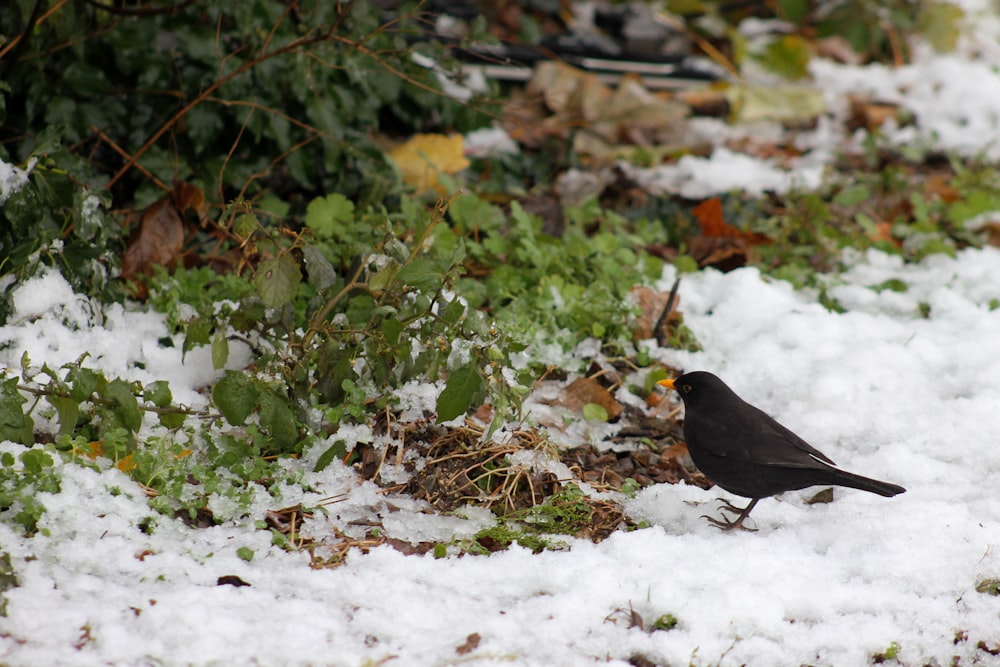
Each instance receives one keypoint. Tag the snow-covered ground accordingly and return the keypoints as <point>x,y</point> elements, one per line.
<point>882,389</point>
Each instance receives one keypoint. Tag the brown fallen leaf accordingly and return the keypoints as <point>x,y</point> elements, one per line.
<point>586,390</point>
<point>470,645</point>
<point>720,244</point>
<point>159,238</point>
<point>870,114</point>
<point>652,304</point>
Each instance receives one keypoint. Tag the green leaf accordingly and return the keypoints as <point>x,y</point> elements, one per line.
<point>383,278</point>
<point>14,424</point>
<point>595,411</point>
<point>172,420</point>
<point>454,311</point>
<point>941,23</point>
<point>245,553</point>
<point>82,383</point>
<point>35,461</point>
<point>276,417</point>
<point>235,396</point>
<point>464,389</point>
<point>685,264</point>
<point>198,332</point>
<point>794,11</point>
<point>158,393</point>
<point>321,273</point>
<point>220,350</point>
<point>852,195</point>
<point>47,141</point>
<point>274,205</point>
<point>337,450</point>
<point>127,408</point>
<point>68,411</point>
<point>245,225</point>
<point>787,55</point>
<point>391,329</point>
<point>277,280</point>
<point>324,213</point>
<point>423,274</point>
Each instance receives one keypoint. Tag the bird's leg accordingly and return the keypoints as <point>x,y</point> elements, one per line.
<point>726,524</point>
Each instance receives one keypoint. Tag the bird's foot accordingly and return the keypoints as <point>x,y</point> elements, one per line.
<point>726,524</point>
<point>733,524</point>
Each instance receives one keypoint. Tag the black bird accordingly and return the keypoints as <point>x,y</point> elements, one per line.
<point>747,452</point>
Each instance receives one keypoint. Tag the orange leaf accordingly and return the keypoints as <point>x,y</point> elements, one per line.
<point>709,216</point>
<point>127,464</point>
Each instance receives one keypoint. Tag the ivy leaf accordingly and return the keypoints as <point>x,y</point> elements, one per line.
<point>235,396</point>
<point>127,408</point>
<point>464,389</point>
<point>277,280</point>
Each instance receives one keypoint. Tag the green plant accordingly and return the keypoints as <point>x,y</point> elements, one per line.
<point>22,479</point>
<point>665,622</point>
<point>238,97</point>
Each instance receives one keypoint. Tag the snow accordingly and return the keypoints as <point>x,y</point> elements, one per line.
<point>903,386</point>
<point>879,388</point>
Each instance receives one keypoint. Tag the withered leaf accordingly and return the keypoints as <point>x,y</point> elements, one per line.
<point>470,645</point>
<point>586,390</point>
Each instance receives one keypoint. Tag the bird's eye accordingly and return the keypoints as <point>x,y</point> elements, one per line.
<point>686,388</point>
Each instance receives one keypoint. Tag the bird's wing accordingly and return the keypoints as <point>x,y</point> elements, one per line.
<point>754,436</point>
<point>773,444</point>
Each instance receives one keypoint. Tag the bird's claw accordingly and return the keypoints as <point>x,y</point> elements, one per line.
<point>725,524</point>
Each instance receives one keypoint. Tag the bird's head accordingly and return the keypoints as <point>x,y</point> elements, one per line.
<point>697,386</point>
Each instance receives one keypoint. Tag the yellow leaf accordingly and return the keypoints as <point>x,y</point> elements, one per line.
<point>425,156</point>
<point>127,464</point>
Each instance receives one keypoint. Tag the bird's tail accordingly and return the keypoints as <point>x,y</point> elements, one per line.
<point>886,489</point>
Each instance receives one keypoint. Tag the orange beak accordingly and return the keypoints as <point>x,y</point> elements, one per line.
<point>668,383</point>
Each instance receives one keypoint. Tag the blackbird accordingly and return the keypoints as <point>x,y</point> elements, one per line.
<point>748,453</point>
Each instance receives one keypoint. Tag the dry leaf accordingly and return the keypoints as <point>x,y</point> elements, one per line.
<point>940,186</point>
<point>709,215</point>
<point>470,645</point>
<point>586,390</point>
<point>870,115</point>
<point>159,238</point>
<point>652,304</point>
